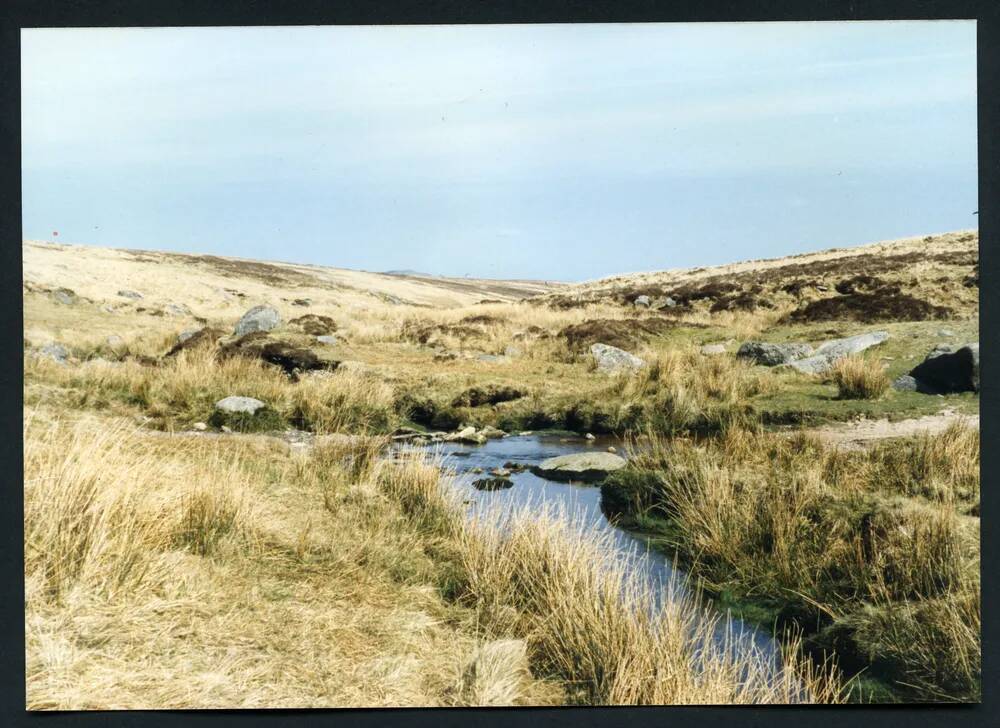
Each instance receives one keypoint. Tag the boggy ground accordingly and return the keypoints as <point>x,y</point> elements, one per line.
<point>901,604</point>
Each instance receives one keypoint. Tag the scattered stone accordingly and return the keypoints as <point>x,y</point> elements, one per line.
<point>512,351</point>
<point>612,360</point>
<point>946,332</point>
<point>500,473</point>
<point>589,436</point>
<point>662,302</point>
<point>492,483</point>
<point>199,426</point>
<point>770,355</point>
<point>492,433</point>
<point>125,293</point>
<point>65,296</point>
<point>327,339</point>
<point>713,349</point>
<point>590,467</point>
<point>302,302</point>
<point>108,308</point>
<point>114,340</point>
<point>187,334</point>
<point>234,404</point>
<point>906,383</point>
<point>946,371</point>
<point>476,471</point>
<point>612,448</point>
<point>839,348</point>
<point>467,435</point>
<point>228,430</point>
<point>178,309</point>
<point>832,351</point>
<point>513,467</point>
<point>56,352</point>
<point>642,301</point>
<point>258,318</point>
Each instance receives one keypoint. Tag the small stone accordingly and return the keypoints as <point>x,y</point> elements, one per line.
<point>199,426</point>
<point>125,293</point>
<point>612,360</point>
<point>64,296</point>
<point>233,404</point>
<point>225,428</point>
<point>589,436</point>
<point>327,339</point>
<point>612,448</point>
<point>186,334</point>
<point>114,340</point>
<point>713,349</point>
<point>56,352</point>
<point>642,301</point>
<point>258,318</point>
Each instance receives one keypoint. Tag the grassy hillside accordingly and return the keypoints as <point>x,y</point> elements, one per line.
<point>395,599</point>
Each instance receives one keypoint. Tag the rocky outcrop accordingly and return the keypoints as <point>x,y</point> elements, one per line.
<point>612,360</point>
<point>771,355</point>
<point>587,467</point>
<point>292,359</point>
<point>831,351</point>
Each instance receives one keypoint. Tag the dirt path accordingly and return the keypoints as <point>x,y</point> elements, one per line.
<point>866,432</point>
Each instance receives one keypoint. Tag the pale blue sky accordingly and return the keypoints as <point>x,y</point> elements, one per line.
<point>551,151</point>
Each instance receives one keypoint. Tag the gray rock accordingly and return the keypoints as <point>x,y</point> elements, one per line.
<point>302,302</point>
<point>177,309</point>
<point>588,466</point>
<point>108,308</point>
<point>55,351</point>
<point>467,435</point>
<point>612,360</point>
<point>663,302</point>
<point>186,334</point>
<point>199,426</point>
<point>713,349</point>
<point>642,301</point>
<point>233,405</point>
<point>65,296</point>
<point>945,371</point>
<point>831,351</point>
<point>811,364</point>
<point>839,348</point>
<point>492,433</point>
<point>114,340</point>
<point>512,351</point>
<point>945,332</point>
<point>327,339</point>
<point>771,355</point>
<point>258,318</point>
<point>125,293</point>
<point>905,383</point>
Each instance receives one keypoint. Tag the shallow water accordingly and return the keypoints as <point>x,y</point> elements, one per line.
<point>581,503</point>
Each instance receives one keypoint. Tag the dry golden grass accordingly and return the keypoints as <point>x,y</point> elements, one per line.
<point>859,378</point>
<point>185,572</point>
<point>799,523</point>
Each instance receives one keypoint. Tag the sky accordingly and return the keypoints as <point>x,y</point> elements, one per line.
<point>560,152</point>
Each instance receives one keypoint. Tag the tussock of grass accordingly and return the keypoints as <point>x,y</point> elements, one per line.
<point>824,538</point>
<point>859,378</point>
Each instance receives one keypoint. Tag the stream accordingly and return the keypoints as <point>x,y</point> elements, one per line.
<point>582,505</point>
